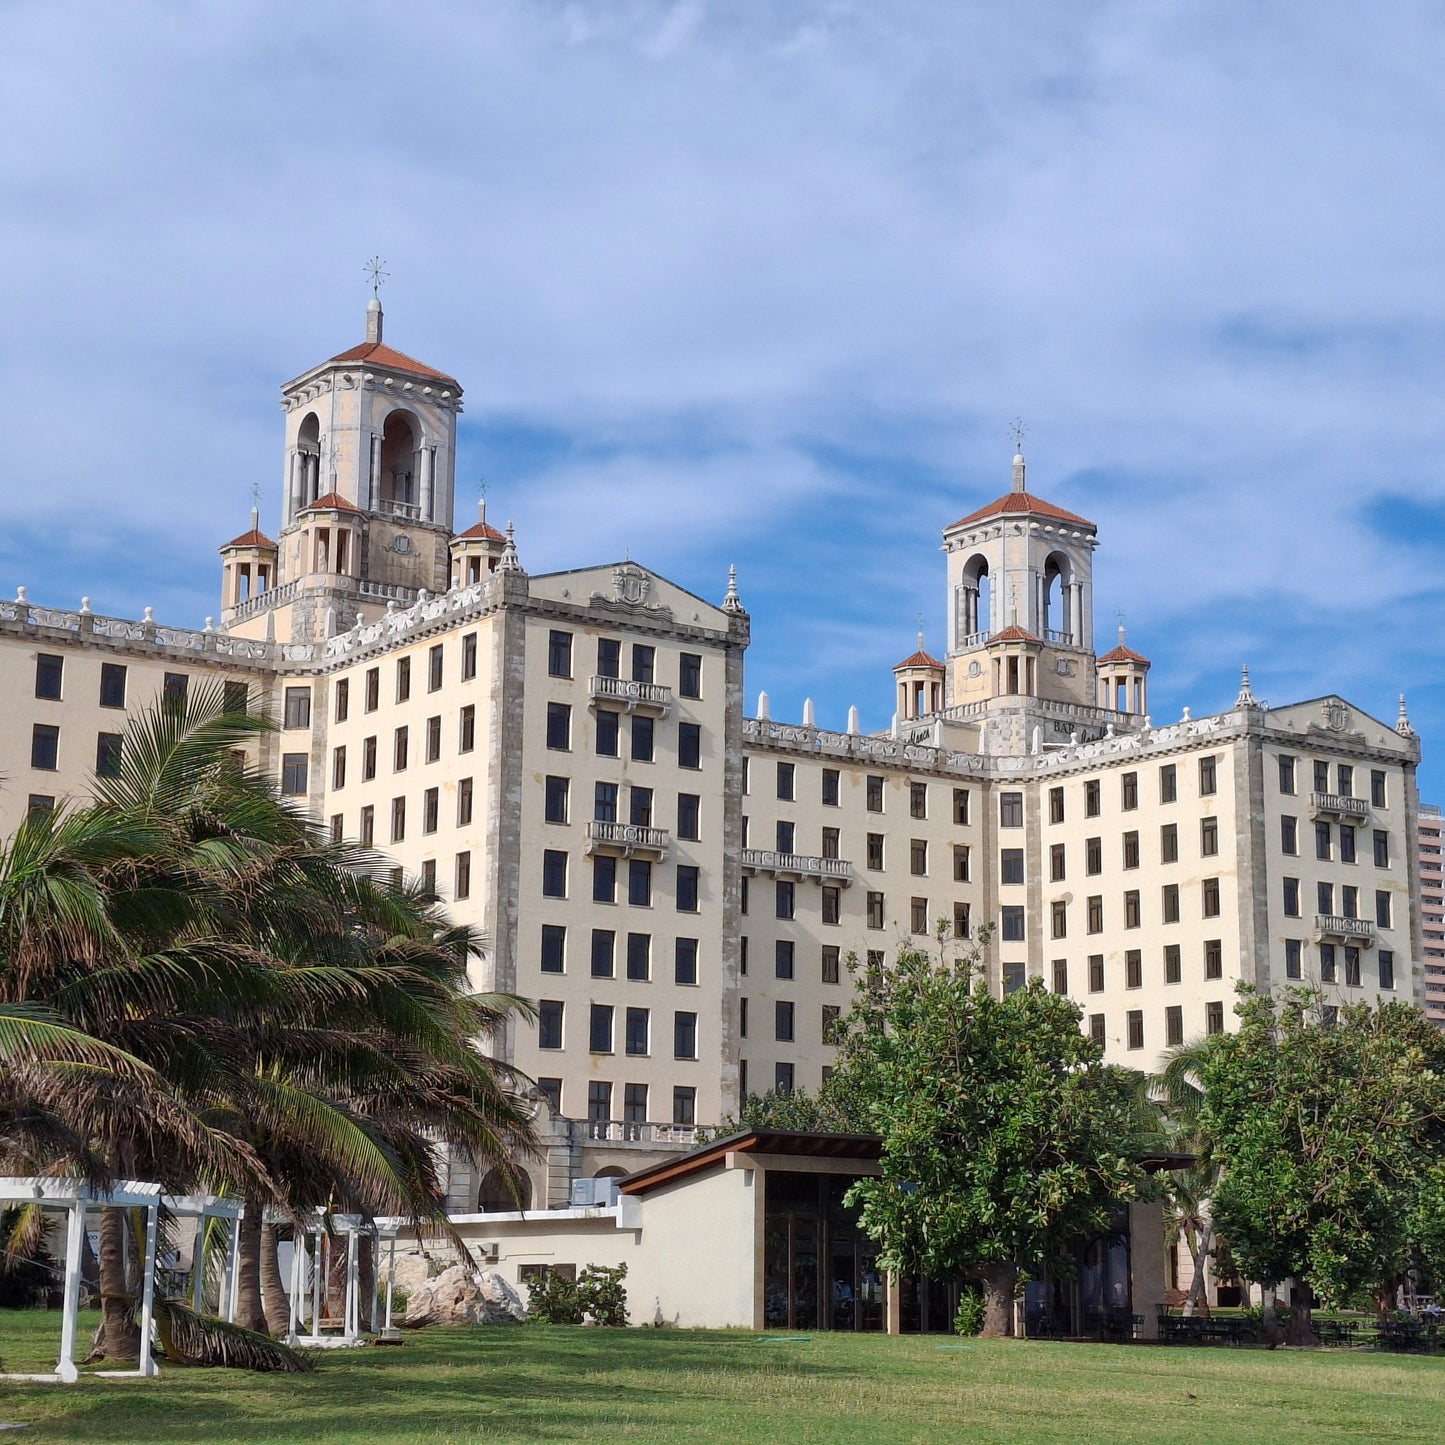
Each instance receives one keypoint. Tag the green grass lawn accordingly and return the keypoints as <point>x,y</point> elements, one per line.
<point>535,1383</point>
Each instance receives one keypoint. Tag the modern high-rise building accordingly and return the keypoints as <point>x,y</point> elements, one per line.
<point>680,885</point>
<point>1432,912</point>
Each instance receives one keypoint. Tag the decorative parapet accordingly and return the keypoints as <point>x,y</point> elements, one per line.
<point>1338,805</point>
<point>626,838</point>
<point>649,697</point>
<point>1347,930</point>
<point>804,865</point>
<point>457,604</point>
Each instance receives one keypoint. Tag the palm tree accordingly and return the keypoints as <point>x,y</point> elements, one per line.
<point>1179,1088</point>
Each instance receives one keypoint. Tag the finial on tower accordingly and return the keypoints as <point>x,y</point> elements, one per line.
<point>1402,724</point>
<point>732,602</point>
<point>1018,431</point>
<point>509,561</point>
<point>1246,696</point>
<point>373,269</point>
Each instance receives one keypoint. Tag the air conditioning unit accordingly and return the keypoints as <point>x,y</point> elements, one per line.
<point>593,1193</point>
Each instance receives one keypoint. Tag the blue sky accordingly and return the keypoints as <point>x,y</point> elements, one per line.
<point>766,284</point>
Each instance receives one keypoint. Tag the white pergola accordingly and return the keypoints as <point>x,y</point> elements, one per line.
<point>309,1250</point>
<point>76,1199</point>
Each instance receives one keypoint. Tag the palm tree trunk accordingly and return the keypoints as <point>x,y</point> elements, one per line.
<point>250,1313</point>
<point>1199,1252</point>
<point>120,1335</point>
<point>366,1280</point>
<point>274,1297</point>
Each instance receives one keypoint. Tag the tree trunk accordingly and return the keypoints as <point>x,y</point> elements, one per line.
<point>1271,1332</point>
<point>366,1277</point>
<point>999,1284</point>
<point>250,1313</point>
<point>1199,1253</point>
<point>1301,1329</point>
<point>274,1297</point>
<point>120,1335</point>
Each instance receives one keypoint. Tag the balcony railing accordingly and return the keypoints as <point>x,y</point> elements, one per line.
<point>408,511</point>
<point>1331,925</point>
<point>825,870</point>
<point>1339,805</point>
<point>626,839</point>
<point>623,1131</point>
<point>649,697</point>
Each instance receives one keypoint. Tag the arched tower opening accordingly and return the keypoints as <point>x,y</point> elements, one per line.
<point>975,601</point>
<point>1057,607</point>
<point>399,445</point>
<point>306,463</point>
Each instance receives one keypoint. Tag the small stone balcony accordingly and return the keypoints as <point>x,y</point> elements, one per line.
<point>1332,928</point>
<point>626,840</point>
<point>1337,805</point>
<point>643,697</point>
<point>798,865</point>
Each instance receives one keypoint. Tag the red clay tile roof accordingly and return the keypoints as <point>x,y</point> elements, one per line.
<point>253,538</point>
<point>919,659</point>
<point>1014,634</point>
<point>331,502</point>
<point>1124,654</point>
<point>483,530</point>
<point>376,353</point>
<point>1021,503</point>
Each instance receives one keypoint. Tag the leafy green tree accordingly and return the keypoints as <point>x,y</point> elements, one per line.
<point>1005,1137</point>
<point>1330,1130</point>
<point>827,1112</point>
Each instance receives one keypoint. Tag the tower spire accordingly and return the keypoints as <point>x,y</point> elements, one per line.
<point>373,307</point>
<point>1402,724</point>
<point>1246,696</point>
<point>1018,431</point>
<point>732,602</point>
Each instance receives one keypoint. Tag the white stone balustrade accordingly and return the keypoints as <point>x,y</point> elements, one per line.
<point>825,870</point>
<point>649,697</point>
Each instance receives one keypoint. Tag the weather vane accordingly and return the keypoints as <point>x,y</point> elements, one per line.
<point>255,494</point>
<point>373,269</point>
<point>1018,431</point>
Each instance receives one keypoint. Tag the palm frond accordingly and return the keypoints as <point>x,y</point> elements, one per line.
<point>189,1338</point>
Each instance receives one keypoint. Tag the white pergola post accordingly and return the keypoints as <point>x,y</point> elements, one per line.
<point>318,1269</point>
<point>390,1278</point>
<point>148,1291</point>
<point>297,1299</point>
<point>74,1253</point>
<point>198,1266</point>
<point>233,1271</point>
<point>353,1284</point>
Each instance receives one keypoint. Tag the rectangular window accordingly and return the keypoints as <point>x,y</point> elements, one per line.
<point>684,962</point>
<point>1014,977</point>
<point>1349,900</point>
<point>1386,961</point>
<point>107,757</point>
<point>551,1091</point>
<point>429,877</point>
<point>1382,848</point>
<point>743,1017</point>
<point>463,887</point>
<point>960,920</point>
<point>874,850</point>
<point>1352,967</point>
<point>112,685</point>
<point>1289,835</point>
<point>1322,777</point>
<point>399,746</point>
<point>1061,975</point>
<point>830,1016</point>
<point>1093,856</point>
<point>684,1105</point>
<point>559,727</point>
<point>832,842</point>
<point>599,1101</point>
<point>434,668</point>
<point>1091,798</point>
<point>1293,958</point>
<point>786,781</point>
<point>689,809</point>
<point>874,792</point>
<point>875,910</point>
<point>1134,1021</point>
<point>554,948</point>
<point>174,687</point>
<point>689,674</point>
<point>918,800</point>
<point>743,905</point>
<point>1168,783</point>
<point>467,728</point>
<point>297,707</point>
<point>1056,805</point>
<point>1096,1029</point>
<point>1096,973</point>
<point>398,820</point>
<point>1058,919</point>
<point>549,1024</point>
<point>1377,788</point>
<point>634,1096</point>
<point>831,779</point>
<point>403,678</point>
<point>338,827</point>
<point>1012,925</point>
<point>604,802</point>
<point>559,654</point>
<point>687,888</point>
<point>1328,970</point>
<point>609,657</point>
<point>1344,780</point>
<point>372,689</point>
<point>642,739</point>
<point>1057,862</point>
<point>1209,890</point>
<point>644,661</point>
<point>599,1028</point>
<point>1214,1018</point>
<point>1131,909</point>
<point>368,826</point>
<point>1208,776</point>
<point>639,883</point>
<point>784,899</point>
<point>1010,810</point>
<point>604,953</point>
<point>464,803</point>
<point>1129,792</point>
<point>1382,909</point>
<point>960,806</point>
<point>832,904</point>
<point>1213,958</point>
<point>554,808</point>
<point>434,739</point>
<point>639,1034</point>
<point>1287,774</point>
<point>430,807</point>
<point>45,747</point>
<point>608,727</point>
<point>689,745</point>
<point>1173,1025</point>
<point>1131,850</point>
<point>1011,865</point>
<point>293,773</point>
<point>783,1078</point>
<point>918,858</point>
<point>469,656</point>
<point>1173,963</point>
<point>1169,902</point>
<point>1291,898</point>
<point>1208,837</point>
<point>554,873</point>
<point>1325,897</point>
<point>832,963</point>
<point>918,915</point>
<point>338,767</point>
<point>684,1035</point>
<point>1347,843</point>
<point>783,1022</point>
<point>1169,843</point>
<point>1094,910</point>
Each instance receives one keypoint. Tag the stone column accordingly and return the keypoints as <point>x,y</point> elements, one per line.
<point>428,459</point>
<point>374,474</point>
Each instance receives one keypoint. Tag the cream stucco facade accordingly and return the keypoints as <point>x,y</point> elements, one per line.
<point>679,885</point>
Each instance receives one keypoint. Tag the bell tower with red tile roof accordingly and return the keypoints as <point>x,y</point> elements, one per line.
<point>366,516</point>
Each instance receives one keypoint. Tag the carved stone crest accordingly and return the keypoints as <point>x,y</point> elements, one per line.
<point>1337,716</point>
<point>630,584</point>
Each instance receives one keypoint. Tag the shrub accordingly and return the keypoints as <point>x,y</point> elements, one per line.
<point>969,1319</point>
<point>601,1293</point>
<point>553,1299</point>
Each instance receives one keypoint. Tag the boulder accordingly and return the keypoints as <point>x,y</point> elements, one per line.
<point>461,1295</point>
